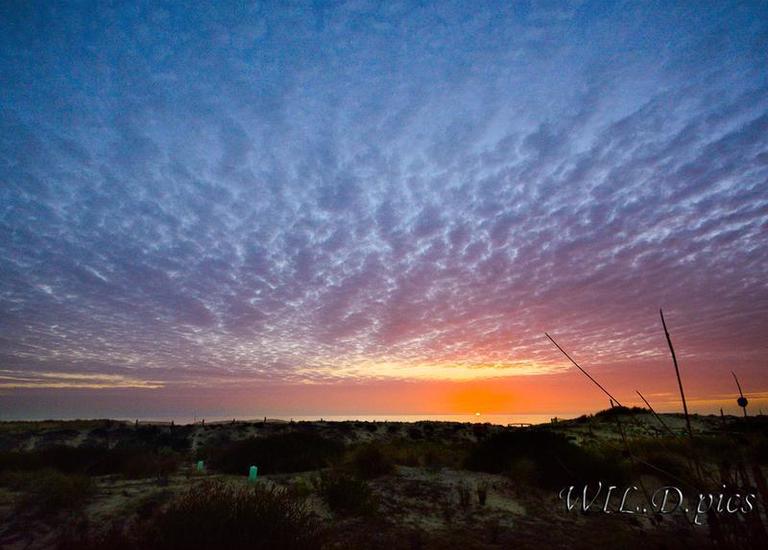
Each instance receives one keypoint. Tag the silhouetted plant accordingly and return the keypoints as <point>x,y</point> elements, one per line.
<point>465,495</point>
<point>130,462</point>
<point>47,491</point>
<point>393,428</point>
<point>347,495</point>
<point>415,433</point>
<point>215,514</point>
<point>621,410</point>
<point>558,461</point>
<point>482,493</point>
<point>369,461</point>
<point>280,453</point>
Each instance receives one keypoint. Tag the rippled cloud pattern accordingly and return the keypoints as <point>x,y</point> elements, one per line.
<point>320,192</point>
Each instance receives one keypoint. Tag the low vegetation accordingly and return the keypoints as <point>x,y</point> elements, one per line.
<point>547,459</point>
<point>47,491</point>
<point>354,484</point>
<point>132,463</point>
<point>347,495</point>
<point>279,453</point>
<point>215,514</point>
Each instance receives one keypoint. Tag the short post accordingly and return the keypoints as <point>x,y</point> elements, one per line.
<point>253,473</point>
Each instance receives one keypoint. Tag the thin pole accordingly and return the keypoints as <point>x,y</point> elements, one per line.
<point>741,394</point>
<point>612,398</point>
<point>654,414</point>
<point>677,372</point>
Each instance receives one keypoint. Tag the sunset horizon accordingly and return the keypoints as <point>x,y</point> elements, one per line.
<point>236,211</point>
<point>383,274</point>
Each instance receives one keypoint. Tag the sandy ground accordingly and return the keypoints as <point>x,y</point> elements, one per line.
<point>416,503</point>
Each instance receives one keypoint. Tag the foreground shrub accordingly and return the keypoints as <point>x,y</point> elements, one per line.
<point>280,453</point>
<point>369,461</point>
<point>218,515</point>
<point>48,491</point>
<point>132,463</point>
<point>347,495</point>
<point>62,458</point>
<point>557,461</point>
<point>465,495</point>
<point>211,514</point>
<point>432,454</point>
<point>482,493</point>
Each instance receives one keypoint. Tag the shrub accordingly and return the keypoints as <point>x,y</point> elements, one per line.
<point>301,487</point>
<point>415,433</point>
<point>432,454</point>
<point>465,495</point>
<point>215,514</point>
<point>63,458</point>
<point>480,431</point>
<point>347,495</point>
<point>620,410</point>
<point>47,491</point>
<point>130,462</point>
<point>557,460</point>
<point>482,493</point>
<point>280,453</point>
<point>370,461</point>
<point>523,470</point>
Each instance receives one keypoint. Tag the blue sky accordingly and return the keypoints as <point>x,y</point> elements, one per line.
<point>319,193</point>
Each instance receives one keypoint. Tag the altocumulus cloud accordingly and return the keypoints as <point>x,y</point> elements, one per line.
<point>299,194</point>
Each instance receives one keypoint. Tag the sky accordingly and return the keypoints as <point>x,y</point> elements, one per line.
<point>380,207</point>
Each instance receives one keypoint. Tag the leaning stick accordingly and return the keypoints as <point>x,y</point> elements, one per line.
<point>677,372</point>
<point>656,415</point>
<point>741,394</point>
<point>582,370</point>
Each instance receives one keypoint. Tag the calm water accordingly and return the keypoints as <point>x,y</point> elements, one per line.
<point>502,419</point>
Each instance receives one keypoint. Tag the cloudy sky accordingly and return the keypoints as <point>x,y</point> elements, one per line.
<point>364,207</point>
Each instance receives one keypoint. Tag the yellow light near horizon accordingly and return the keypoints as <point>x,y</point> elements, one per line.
<point>448,371</point>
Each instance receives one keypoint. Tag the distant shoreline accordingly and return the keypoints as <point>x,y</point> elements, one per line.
<point>495,419</point>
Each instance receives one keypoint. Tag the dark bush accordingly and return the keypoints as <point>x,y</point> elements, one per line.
<point>620,410</point>
<point>480,431</point>
<point>347,495</point>
<point>63,458</point>
<point>465,495</point>
<point>47,491</point>
<point>482,493</point>
<point>218,515</point>
<point>146,465</point>
<point>558,462</point>
<point>280,453</point>
<point>433,454</point>
<point>212,514</point>
<point>345,426</point>
<point>130,462</point>
<point>369,461</point>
